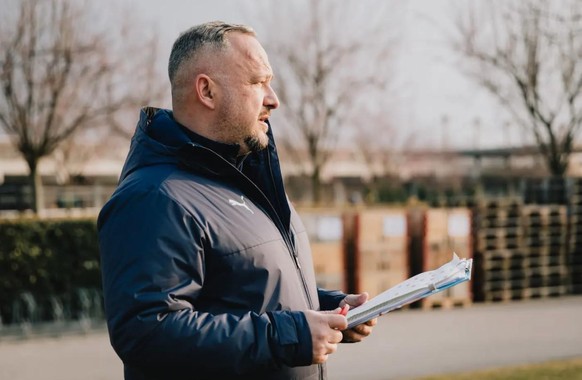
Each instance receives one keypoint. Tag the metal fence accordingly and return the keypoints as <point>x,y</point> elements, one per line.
<point>80,310</point>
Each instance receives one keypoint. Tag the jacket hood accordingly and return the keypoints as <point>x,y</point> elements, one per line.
<point>157,141</point>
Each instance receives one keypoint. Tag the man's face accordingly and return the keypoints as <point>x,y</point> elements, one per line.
<point>245,98</point>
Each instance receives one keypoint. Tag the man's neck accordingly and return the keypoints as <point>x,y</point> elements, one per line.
<point>227,151</point>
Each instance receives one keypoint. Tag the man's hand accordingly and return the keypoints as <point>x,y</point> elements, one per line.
<point>325,327</point>
<point>359,332</point>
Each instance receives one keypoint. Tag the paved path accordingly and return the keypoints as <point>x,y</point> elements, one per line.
<point>408,344</point>
<point>405,344</point>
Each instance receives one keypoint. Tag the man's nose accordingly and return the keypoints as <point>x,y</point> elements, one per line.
<point>271,100</point>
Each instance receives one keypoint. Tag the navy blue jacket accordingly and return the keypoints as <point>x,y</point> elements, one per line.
<point>206,268</point>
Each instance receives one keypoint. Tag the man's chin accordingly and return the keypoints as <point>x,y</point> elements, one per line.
<point>256,144</point>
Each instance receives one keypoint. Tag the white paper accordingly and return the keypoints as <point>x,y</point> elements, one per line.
<point>415,288</point>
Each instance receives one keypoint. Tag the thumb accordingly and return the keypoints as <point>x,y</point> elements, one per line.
<point>337,310</point>
<point>354,300</point>
<point>337,321</point>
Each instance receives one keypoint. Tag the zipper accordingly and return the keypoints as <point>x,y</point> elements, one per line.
<point>291,245</point>
<point>276,219</point>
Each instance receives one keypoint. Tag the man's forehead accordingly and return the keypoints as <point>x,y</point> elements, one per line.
<point>250,50</point>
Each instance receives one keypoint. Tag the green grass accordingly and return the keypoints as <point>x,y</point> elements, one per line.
<point>554,370</point>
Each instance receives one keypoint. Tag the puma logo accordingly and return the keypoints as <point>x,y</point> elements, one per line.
<point>241,204</point>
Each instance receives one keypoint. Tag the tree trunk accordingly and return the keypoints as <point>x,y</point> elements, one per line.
<point>373,190</point>
<point>35,181</point>
<point>557,164</point>
<point>316,185</point>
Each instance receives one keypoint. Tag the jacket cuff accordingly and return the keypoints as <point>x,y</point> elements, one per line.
<point>291,340</point>
<point>330,299</point>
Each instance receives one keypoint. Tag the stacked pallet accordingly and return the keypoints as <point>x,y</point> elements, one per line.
<point>575,241</point>
<point>519,251</point>
<point>358,250</point>
<point>545,232</point>
<point>498,236</point>
<point>447,230</point>
<point>381,249</point>
<point>325,228</point>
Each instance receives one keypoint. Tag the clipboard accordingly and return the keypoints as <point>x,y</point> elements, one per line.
<point>413,289</point>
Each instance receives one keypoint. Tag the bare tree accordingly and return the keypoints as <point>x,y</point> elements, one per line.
<point>328,57</point>
<point>58,76</point>
<point>528,54</point>
<point>381,145</point>
<point>141,75</point>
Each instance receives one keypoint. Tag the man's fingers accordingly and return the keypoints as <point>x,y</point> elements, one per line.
<point>337,310</point>
<point>326,346</point>
<point>372,322</point>
<point>325,332</point>
<point>363,329</point>
<point>320,359</point>
<point>344,310</point>
<point>354,300</point>
<point>359,332</point>
<point>337,321</point>
<point>350,336</point>
<point>336,337</point>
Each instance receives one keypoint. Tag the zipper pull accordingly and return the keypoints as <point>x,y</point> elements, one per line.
<point>296,260</point>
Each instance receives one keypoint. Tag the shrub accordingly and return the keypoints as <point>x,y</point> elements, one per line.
<point>48,259</point>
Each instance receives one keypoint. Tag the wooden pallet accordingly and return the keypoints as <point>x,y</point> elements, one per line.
<point>545,292</point>
<point>445,303</point>
<point>503,295</point>
<point>523,294</point>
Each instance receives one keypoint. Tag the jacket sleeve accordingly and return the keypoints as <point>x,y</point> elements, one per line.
<point>152,257</point>
<point>329,299</point>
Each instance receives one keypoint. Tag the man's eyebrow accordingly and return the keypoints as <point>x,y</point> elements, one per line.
<point>263,76</point>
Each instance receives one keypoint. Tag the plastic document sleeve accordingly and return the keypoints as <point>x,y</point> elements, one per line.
<point>415,288</point>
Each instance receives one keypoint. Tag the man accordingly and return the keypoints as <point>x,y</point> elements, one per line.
<point>206,267</point>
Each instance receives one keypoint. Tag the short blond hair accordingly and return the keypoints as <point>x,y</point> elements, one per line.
<point>190,42</point>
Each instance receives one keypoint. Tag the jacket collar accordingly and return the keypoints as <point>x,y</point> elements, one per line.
<point>227,151</point>
<point>160,140</point>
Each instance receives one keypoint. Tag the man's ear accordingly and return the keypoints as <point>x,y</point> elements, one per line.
<point>205,90</point>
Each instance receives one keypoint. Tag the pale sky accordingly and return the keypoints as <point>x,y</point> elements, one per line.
<point>429,87</point>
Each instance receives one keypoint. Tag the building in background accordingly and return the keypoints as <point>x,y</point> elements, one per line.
<point>87,180</point>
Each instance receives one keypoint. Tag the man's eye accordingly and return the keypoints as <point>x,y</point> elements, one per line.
<point>260,82</point>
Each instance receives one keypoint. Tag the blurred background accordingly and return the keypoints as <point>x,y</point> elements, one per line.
<point>407,130</point>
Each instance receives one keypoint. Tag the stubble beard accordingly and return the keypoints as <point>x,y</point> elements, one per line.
<point>255,141</point>
<point>256,144</point>
<point>252,143</point>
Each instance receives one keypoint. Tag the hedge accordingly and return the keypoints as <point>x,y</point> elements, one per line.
<point>48,259</point>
